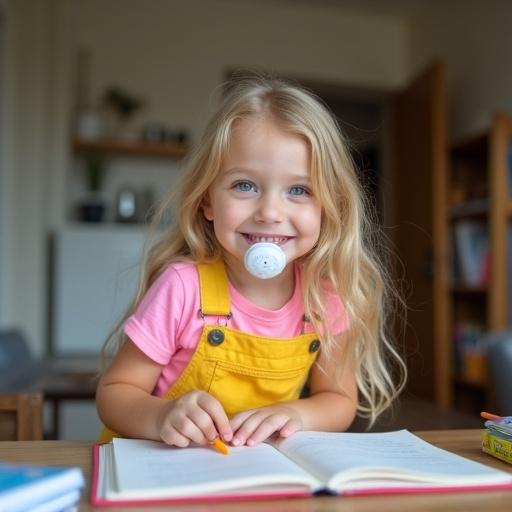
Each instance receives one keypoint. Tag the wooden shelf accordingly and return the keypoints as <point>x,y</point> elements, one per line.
<point>477,192</point>
<point>462,289</point>
<point>470,383</point>
<point>472,209</point>
<point>131,148</point>
<point>471,146</point>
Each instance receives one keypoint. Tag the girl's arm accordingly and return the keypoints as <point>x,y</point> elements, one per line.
<point>125,404</point>
<point>329,407</point>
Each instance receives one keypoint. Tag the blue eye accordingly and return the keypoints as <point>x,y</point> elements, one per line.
<point>298,190</point>
<point>244,186</point>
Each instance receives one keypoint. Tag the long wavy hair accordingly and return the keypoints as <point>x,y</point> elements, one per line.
<point>345,255</point>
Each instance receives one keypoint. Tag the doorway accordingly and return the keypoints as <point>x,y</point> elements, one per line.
<point>363,117</point>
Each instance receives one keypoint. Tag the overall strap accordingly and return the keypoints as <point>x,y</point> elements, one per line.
<point>213,284</point>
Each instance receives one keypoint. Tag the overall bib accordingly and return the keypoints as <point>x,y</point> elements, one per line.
<point>241,370</point>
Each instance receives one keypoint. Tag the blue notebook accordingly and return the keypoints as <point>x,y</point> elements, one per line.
<point>31,487</point>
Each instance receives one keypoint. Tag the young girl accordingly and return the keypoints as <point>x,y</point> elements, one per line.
<point>265,281</point>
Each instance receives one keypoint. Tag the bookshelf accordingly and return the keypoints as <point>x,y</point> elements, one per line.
<point>479,212</point>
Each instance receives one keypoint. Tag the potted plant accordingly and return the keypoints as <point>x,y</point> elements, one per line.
<point>93,207</point>
<point>123,106</point>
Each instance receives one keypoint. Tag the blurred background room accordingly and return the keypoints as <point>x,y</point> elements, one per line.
<point>101,100</point>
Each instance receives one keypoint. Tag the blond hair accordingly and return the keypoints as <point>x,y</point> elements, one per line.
<point>344,256</point>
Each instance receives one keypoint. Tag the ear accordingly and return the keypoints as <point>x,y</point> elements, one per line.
<point>206,205</point>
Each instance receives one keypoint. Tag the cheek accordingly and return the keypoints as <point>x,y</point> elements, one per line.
<point>228,215</point>
<point>226,219</point>
<point>311,219</point>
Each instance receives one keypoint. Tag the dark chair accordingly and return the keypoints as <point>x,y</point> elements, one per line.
<point>499,359</point>
<point>18,369</point>
<point>21,405</point>
<point>21,417</point>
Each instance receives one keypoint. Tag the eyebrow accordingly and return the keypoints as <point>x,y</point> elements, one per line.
<point>234,170</point>
<point>249,171</point>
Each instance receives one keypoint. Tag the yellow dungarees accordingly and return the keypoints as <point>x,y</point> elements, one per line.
<point>243,371</point>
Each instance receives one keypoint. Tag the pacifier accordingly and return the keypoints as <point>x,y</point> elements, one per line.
<point>265,260</point>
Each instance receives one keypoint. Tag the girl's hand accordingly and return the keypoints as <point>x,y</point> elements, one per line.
<point>254,426</point>
<point>194,417</point>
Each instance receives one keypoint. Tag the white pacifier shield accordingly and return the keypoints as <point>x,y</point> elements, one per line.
<point>265,260</point>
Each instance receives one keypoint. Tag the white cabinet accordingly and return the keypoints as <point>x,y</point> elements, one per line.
<point>95,278</point>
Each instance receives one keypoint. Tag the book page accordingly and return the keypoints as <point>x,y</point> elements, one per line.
<point>153,469</point>
<point>390,455</point>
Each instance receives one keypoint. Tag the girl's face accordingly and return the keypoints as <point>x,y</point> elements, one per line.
<point>263,192</point>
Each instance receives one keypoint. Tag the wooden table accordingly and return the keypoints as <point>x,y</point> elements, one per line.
<point>463,442</point>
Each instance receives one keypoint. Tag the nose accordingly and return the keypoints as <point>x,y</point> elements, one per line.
<point>270,209</point>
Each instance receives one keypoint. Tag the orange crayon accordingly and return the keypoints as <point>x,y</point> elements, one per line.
<point>489,416</point>
<point>220,446</point>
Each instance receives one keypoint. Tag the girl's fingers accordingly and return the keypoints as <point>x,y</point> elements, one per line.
<point>187,428</point>
<point>269,425</point>
<point>204,423</point>
<point>249,425</point>
<point>289,428</point>
<point>238,420</point>
<point>217,414</point>
<point>172,437</point>
<point>254,426</point>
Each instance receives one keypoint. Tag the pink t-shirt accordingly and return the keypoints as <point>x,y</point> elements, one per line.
<point>167,325</point>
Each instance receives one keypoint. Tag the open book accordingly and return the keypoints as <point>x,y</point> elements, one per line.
<point>127,470</point>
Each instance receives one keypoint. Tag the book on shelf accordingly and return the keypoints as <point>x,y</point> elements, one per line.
<point>509,271</point>
<point>470,352</point>
<point>509,170</point>
<point>37,488</point>
<point>128,471</point>
<point>471,247</point>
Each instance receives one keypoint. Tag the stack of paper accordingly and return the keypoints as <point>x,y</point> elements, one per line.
<point>497,438</point>
<point>39,488</point>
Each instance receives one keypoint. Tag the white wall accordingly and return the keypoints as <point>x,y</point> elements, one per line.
<point>475,40</point>
<point>176,52</point>
<point>23,160</point>
<point>5,176</point>
<point>173,52</point>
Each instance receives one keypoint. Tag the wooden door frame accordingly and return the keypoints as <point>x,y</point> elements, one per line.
<point>439,158</point>
<point>442,314</point>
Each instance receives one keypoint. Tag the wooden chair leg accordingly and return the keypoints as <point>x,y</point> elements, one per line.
<point>30,423</point>
<point>26,409</point>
